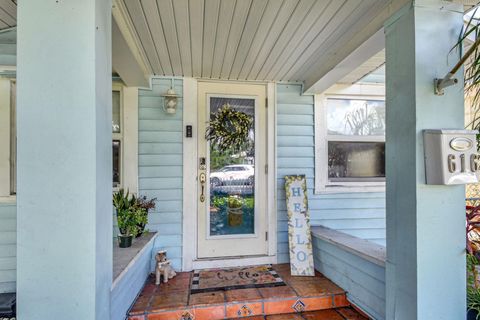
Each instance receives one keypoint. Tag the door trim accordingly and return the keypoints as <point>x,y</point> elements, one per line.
<point>190,174</point>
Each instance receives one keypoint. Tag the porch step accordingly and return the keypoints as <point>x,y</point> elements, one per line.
<point>301,295</point>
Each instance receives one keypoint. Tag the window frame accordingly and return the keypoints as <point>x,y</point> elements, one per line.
<point>13,138</point>
<point>322,182</point>
<point>119,136</point>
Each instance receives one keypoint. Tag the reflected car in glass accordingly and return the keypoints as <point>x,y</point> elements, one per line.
<point>233,174</point>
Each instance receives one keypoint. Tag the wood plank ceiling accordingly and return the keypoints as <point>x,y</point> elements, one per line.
<point>277,40</point>
<point>8,13</point>
<point>245,39</point>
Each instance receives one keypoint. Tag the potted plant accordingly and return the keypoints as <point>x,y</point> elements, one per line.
<point>473,290</point>
<point>234,211</point>
<point>146,205</point>
<point>128,216</point>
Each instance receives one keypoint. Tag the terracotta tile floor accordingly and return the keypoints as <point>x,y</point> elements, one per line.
<point>313,298</point>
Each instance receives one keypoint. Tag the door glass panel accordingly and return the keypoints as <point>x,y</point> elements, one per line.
<point>232,172</point>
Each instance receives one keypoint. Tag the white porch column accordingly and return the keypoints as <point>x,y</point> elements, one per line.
<point>64,251</point>
<point>425,223</point>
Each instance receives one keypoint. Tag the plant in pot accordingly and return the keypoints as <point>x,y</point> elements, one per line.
<point>473,290</point>
<point>128,216</point>
<point>235,211</point>
<point>146,205</point>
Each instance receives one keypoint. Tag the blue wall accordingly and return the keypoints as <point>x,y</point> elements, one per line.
<point>8,250</point>
<point>160,165</point>
<point>363,280</point>
<point>8,47</point>
<point>358,214</point>
<point>160,175</point>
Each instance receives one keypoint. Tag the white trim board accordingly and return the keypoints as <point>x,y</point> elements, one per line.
<point>233,262</point>
<point>189,234</point>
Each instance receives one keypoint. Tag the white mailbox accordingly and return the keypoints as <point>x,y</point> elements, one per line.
<point>451,156</point>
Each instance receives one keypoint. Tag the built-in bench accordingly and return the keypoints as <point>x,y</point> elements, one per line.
<point>356,265</point>
<point>131,267</point>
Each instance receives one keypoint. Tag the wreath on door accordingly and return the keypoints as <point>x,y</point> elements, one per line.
<point>228,129</point>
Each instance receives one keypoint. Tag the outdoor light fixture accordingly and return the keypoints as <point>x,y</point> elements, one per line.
<point>170,101</point>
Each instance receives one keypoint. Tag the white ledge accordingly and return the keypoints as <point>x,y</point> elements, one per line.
<point>125,258</point>
<point>367,250</point>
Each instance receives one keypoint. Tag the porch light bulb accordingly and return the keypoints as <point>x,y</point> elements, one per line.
<point>170,101</point>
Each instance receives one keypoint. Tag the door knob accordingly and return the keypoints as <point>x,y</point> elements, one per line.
<point>203,179</point>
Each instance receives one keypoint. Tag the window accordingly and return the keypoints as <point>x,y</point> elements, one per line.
<point>350,143</point>
<point>117,135</point>
<point>124,137</point>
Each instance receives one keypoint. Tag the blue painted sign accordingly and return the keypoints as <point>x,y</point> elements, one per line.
<point>299,236</point>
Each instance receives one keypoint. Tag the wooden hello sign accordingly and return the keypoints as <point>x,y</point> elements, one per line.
<point>299,236</point>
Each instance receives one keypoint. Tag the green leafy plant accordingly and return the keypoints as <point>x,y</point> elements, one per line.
<point>471,62</point>
<point>129,213</point>
<point>229,129</point>
<point>473,291</point>
<point>145,205</point>
<point>234,202</point>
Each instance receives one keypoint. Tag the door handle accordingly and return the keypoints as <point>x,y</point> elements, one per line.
<point>203,179</point>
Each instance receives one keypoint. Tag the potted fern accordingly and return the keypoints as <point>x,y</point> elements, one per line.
<point>147,205</point>
<point>129,215</point>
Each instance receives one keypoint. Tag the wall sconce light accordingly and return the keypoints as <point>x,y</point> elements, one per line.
<point>170,99</point>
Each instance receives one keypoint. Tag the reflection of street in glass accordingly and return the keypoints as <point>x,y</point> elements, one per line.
<point>231,134</point>
<point>233,174</point>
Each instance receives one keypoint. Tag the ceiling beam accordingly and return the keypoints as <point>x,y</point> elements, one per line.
<point>323,71</point>
<point>124,63</point>
<point>365,51</point>
<point>128,57</point>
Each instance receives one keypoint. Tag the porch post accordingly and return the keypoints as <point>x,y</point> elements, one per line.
<point>64,250</point>
<point>425,276</point>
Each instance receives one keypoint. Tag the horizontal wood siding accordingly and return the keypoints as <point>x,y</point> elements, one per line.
<point>160,163</point>
<point>363,280</point>
<point>127,288</point>
<point>358,214</point>
<point>8,249</point>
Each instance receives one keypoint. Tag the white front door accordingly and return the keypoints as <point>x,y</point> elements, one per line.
<point>232,185</point>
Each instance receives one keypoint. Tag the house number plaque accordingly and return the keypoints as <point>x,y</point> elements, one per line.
<point>299,236</point>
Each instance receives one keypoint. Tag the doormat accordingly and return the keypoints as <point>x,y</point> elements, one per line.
<point>234,278</point>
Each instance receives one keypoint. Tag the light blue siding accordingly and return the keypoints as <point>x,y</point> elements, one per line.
<point>8,47</point>
<point>363,280</point>
<point>125,291</point>
<point>160,165</point>
<point>358,214</point>
<point>8,250</point>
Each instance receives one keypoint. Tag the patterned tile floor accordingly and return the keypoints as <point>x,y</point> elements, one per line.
<point>301,298</point>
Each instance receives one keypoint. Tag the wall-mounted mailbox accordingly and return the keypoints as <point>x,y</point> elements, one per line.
<point>451,156</point>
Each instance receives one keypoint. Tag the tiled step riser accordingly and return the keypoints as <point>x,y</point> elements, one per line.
<point>252,308</point>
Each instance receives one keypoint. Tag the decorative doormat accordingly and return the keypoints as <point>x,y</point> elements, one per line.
<point>234,278</point>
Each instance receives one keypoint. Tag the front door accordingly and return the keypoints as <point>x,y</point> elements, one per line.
<point>232,134</point>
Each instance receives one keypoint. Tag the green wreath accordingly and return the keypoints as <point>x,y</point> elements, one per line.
<point>228,129</point>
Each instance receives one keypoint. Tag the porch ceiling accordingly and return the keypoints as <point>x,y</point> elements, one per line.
<point>289,40</point>
<point>8,13</point>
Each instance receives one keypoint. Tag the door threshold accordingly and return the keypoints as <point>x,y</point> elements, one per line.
<point>242,261</point>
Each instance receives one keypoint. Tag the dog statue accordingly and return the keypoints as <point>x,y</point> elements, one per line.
<point>163,268</point>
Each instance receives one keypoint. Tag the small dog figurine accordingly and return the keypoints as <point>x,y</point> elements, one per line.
<point>163,268</point>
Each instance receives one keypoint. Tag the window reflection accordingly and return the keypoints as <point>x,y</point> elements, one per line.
<point>356,160</point>
<point>232,178</point>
